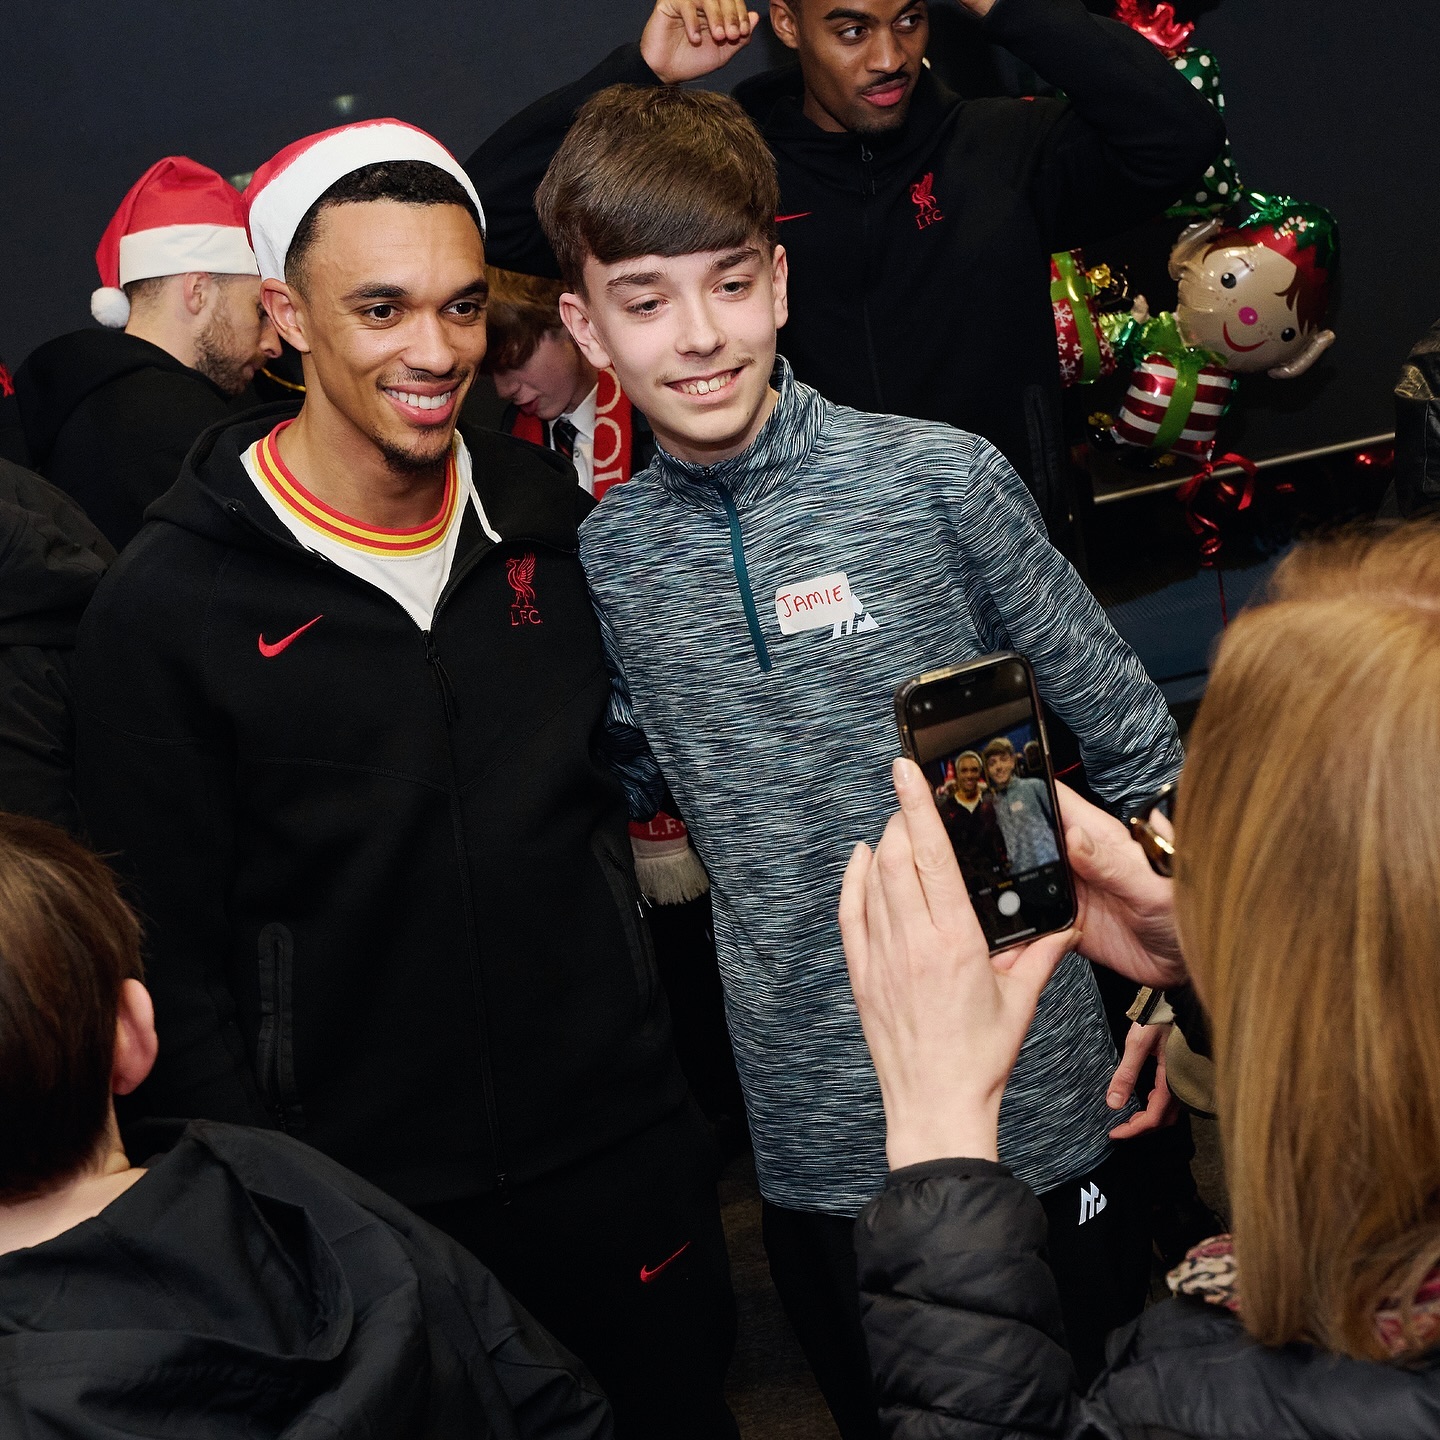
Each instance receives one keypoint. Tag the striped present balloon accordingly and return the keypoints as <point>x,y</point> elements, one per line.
<point>1175,403</point>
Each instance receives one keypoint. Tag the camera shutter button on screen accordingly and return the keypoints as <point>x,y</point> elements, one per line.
<point>1008,903</point>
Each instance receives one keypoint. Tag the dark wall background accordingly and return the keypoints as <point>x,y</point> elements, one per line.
<point>1338,103</point>
<point>1327,100</point>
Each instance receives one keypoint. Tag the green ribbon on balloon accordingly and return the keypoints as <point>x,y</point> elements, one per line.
<point>1072,284</point>
<point>1160,335</point>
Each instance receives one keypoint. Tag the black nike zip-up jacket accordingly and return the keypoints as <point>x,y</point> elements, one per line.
<point>943,311</point>
<point>384,873</point>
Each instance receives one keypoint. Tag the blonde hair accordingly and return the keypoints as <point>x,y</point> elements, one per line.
<point>1308,899</point>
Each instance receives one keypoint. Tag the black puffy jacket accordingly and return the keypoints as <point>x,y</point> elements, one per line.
<point>965,1338</point>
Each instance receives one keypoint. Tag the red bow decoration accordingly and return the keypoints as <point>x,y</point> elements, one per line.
<point>1232,492</point>
<point>1155,20</point>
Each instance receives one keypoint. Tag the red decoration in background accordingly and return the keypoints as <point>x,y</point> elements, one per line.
<point>1219,495</point>
<point>1155,20</point>
<point>1145,411</point>
<point>1382,457</point>
<point>7,385</point>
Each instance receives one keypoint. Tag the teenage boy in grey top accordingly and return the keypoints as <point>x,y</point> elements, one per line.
<point>763,587</point>
<point>1022,806</point>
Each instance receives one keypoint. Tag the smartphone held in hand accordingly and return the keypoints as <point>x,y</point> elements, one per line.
<point>977,733</point>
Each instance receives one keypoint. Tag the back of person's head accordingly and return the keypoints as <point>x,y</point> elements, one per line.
<point>1308,898</point>
<point>656,171</point>
<point>68,943</point>
<point>520,311</point>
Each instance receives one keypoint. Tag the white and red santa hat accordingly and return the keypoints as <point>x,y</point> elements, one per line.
<point>178,216</point>
<point>284,188</point>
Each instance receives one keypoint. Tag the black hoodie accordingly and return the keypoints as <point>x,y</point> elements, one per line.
<point>109,418</point>
<point>51,560</point>
<point>919,261</point>
<point>246,1288</point>
<point>385,873</point>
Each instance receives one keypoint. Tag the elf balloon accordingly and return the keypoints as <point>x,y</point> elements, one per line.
<point>1257,293</point>
<point>1254,295</point>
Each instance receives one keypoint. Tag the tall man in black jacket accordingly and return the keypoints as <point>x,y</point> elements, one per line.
<point>919,225</point>
<point>339,720</point>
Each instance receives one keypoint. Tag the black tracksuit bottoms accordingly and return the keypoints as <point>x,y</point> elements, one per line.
<point>1099,1252</point>
<point>623,1260</point>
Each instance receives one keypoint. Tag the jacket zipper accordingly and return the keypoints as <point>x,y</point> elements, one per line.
<point>452,712</point>
<point>442,677</point>
<point>867,193</point>
<point>275,1049</point>
<point>450,706</point>
<point>742,579</point>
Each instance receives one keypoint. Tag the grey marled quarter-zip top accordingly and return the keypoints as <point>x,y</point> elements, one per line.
<point>778,747</point>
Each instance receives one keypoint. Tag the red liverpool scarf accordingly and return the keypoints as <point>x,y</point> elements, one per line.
<point>614,450</point>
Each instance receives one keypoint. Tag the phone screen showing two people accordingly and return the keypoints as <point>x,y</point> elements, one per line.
<point>989,776</point>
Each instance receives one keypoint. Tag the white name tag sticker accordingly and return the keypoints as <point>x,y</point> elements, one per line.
<point>818,604</point>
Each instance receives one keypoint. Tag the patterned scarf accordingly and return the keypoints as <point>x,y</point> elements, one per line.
<point>1209,1273</point>
<point>614,434</point>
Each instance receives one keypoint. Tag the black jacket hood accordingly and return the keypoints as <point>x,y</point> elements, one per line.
<point>61,373</point>
<point>51,560</point>
<point>215,497</point>
<point>247,1287</point>
<point>287,1311</point>
<point>774,99</point>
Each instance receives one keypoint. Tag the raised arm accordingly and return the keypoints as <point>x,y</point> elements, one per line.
<point>1131,135</point>
<point>683,40</point>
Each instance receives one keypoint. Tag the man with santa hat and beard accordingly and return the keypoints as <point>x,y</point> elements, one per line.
<point>110,414</point>
<point>340,722</point>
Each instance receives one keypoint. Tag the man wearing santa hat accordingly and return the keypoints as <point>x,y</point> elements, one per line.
<point>341,723</point>
<point>110,414</point>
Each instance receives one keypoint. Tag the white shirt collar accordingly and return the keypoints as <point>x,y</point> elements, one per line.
<point>582,417</point>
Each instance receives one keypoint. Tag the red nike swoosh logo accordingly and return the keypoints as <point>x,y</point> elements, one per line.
<point>799,215</point>
<point>647,1274</point>
<point>271,651</point>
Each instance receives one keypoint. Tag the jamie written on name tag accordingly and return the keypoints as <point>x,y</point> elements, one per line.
<point>818,604</point>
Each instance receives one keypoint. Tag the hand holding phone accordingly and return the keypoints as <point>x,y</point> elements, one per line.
<point>944,1017</point>
<point>976,732</point>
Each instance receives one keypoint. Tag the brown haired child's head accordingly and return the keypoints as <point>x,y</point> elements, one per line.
<point>75,1023</point>
<point>664,171</point>
<point>531,359</point>
<point>660,208</point>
